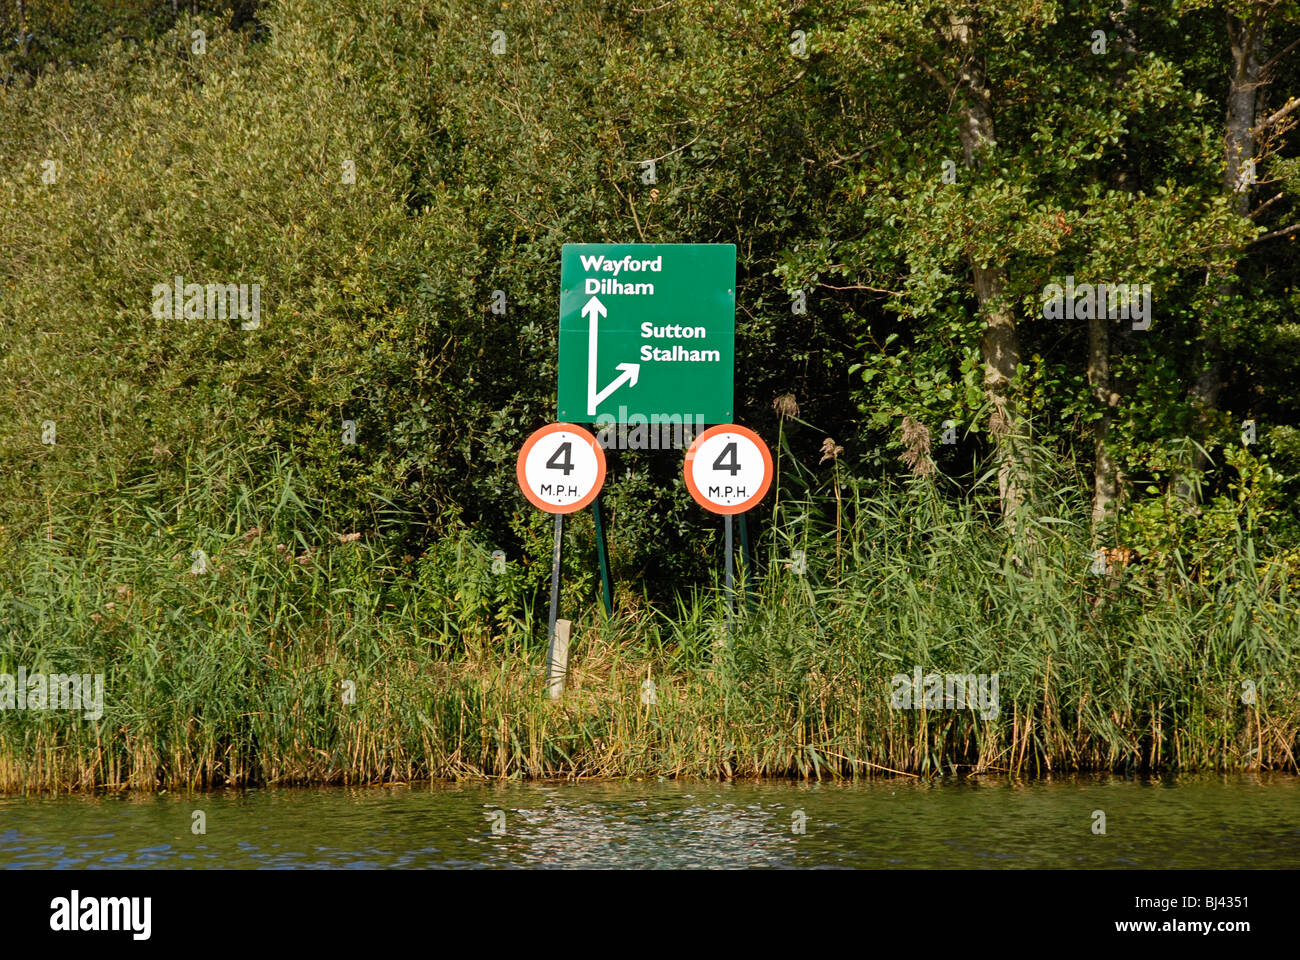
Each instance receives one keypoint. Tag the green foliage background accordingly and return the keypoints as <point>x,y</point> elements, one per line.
<point>210,142</point>
<point>473,168</point>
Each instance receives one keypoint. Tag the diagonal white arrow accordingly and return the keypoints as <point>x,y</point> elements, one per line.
<point>593,311</point>
<point>628,376</point>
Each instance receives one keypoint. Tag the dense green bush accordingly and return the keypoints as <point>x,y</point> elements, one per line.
<point>473,168</point>
<point>470,174</point>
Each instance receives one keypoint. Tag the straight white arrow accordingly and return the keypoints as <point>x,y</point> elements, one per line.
<point>593,311</point>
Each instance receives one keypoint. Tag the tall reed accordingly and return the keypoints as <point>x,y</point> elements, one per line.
<point>238,675</point>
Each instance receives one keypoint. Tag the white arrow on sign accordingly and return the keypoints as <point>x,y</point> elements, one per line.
<point>593,311</point>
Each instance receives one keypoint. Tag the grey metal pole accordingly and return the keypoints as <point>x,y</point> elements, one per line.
<point>555,588</point>
<point>731,573</point>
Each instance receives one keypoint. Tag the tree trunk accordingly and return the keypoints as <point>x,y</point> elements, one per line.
<point>1105,480</point>
<point>1238,179</point>
<point>1000,351</point>
<point>1000,344</point>
<point>22,27</point>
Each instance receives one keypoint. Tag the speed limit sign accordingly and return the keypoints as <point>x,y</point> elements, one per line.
<point>561,468</point>
<point>728,469</point>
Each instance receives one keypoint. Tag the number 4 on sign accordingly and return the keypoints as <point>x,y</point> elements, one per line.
<point>561,459</point>
<point>732,466</point>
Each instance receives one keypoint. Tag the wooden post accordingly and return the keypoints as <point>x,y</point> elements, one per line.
<point>558,666</point>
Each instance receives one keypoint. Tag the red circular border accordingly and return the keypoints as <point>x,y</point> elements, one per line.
<point>767,472</point>
<point>547,430</point>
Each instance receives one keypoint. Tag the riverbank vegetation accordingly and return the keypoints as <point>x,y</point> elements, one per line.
<point>305,655</point>
<point>293,544</point>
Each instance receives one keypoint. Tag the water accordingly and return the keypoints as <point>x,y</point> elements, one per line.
<point>1206,822</point>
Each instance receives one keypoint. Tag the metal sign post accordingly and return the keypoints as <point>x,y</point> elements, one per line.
<point>560,469</point>
<point>555,588</point>
<point>728,469</point>
<point>731,576</point>
<point>602,558</point>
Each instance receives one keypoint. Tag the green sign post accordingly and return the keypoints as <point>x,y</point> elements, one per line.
<point>647,330</point>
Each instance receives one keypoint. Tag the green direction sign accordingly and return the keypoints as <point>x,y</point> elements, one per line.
<point>647,330</point>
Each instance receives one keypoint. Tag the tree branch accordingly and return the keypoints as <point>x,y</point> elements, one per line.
<point>1277,233</point>
<point>942,80</point>
<point>1275,117</point>
<point>858,286</point>
<point>1272,62</point>
<point>1264,206</point>
<point>668,154</point>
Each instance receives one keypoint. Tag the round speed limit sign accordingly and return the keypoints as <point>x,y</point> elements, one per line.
<point>561,468</point>
<point>728,469</point>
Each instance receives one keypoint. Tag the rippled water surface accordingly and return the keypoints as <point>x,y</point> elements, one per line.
<point>1217,822</point>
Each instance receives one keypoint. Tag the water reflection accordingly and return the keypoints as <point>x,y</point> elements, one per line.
<point>1177,822</point>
